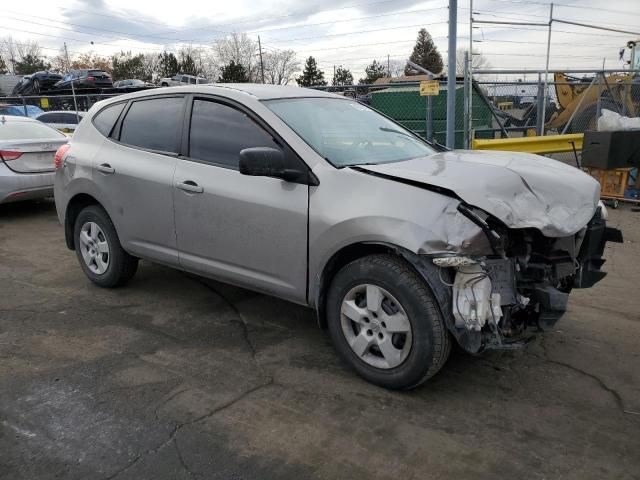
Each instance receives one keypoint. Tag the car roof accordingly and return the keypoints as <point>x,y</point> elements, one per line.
<point>61,111</point>
<point>257,90</point>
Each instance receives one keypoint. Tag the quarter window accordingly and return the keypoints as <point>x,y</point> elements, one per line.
<point>153,124</point>
<point>107,117</point>
<point>218,133</point>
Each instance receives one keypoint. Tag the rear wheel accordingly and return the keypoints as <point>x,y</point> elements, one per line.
<point>385,323</point>
<point>98,248</point>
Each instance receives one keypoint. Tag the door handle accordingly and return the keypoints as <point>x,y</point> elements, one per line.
<point>105,168</point>
<point>190,186</point>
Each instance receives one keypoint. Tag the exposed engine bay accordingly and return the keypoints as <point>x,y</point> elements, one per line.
<point>497,300</point>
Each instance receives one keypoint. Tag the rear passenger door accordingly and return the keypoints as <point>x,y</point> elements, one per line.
<point>135,171</point>
<point>248,231</point>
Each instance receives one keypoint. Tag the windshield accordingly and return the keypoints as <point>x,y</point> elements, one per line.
<point>348,133</point>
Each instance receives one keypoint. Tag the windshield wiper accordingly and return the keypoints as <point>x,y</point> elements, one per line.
<point>392,130</point>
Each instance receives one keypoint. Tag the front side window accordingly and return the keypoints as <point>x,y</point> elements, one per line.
<point>185,79</point>
<point>107,118</point>
<point>218,133</point>
<point>153,124</point>
<point>347,133</point>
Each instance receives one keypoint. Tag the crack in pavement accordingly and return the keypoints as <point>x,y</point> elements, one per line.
<point>173,434</point>
<point>614,393</point>
<point>180,426</point>
<point>182,461</point>
<point>241,320</point>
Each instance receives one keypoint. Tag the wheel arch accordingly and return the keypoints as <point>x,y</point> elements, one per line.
<point>77,203</point>
<point>348,254</point>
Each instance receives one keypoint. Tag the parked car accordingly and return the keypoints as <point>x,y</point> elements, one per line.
<point>36,83</point>
<point>132,83</point>
<point>180,79</point>
<point>27,147</point>
<point>86,78</point>
<point>400,246</point>
<point>19,110</point>
<point>64,120</point>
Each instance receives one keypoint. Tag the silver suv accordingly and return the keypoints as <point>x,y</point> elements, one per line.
<point>399,246</point>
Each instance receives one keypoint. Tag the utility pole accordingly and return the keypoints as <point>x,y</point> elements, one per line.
<point>388,66</point>
<point>451,74</point>
<point>66,56</point>
<point>261,62</point>
<point>546,71</point>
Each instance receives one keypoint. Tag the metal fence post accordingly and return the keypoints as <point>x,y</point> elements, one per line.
<point>626,96</point>
<point>24,106</point>
<point>467,94</point>
<point>429,119</point>
<point>451,74</point>
<point>540,120</point>
<point>599,102</point>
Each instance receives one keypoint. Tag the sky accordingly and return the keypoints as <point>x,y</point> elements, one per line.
<point>336,32</point>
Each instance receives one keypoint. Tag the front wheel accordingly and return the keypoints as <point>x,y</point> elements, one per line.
<point>385,322</point>
<point>98,248</point>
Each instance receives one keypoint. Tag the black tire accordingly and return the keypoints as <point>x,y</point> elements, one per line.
<point>431,343</point>
<point>121,266</point>
<point>164,84</point>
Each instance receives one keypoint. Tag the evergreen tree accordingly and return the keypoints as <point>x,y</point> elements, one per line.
<point>311,76</point>
<point>374,71</point>
<point>342,77</point>
<point>425,54</point>
<point>167,65</point>
<point>233,73</point>
<point>30,64</point>
<point>126,65</point>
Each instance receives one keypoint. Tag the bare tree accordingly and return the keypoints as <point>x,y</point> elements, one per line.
<point>279,66</point>
<point>479,61</point>
<point>396,67</point>
<point>14,52</point>
<point>237,48</point>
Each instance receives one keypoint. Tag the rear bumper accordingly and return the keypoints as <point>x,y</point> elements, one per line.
<point>15,187</point>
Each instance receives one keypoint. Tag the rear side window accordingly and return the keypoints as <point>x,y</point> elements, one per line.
<point>107,117</point>
<point>70,118</point>
<point>218,133</point>
<point>153,124</point>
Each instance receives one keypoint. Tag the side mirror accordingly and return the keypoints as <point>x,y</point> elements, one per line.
<point>267,162</point>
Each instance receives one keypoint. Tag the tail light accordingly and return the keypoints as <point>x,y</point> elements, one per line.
<point>60,153</point>
<point>91,79</point>
<point>9,155</point>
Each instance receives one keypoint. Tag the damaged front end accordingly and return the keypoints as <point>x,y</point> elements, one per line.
<point>497,300</point>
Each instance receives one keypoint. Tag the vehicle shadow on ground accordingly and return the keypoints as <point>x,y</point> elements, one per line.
<point>27,209</point>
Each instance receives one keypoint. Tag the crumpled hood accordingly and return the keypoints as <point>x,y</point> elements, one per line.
<point>520,189</point>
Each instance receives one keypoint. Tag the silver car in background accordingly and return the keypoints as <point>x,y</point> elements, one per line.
<point>27,148</point>
<point>400,247</point>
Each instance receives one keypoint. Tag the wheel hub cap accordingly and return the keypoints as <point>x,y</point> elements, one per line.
<point>376,326</point>
<point>94,248</point>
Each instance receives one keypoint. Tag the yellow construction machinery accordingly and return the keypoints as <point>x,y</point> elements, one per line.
<point>578,97</point>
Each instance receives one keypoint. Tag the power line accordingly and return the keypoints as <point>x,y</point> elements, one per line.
<point>264,19</point>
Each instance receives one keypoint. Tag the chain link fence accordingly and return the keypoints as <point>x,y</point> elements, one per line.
<point>500,107</point>
<point>31,106</point>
